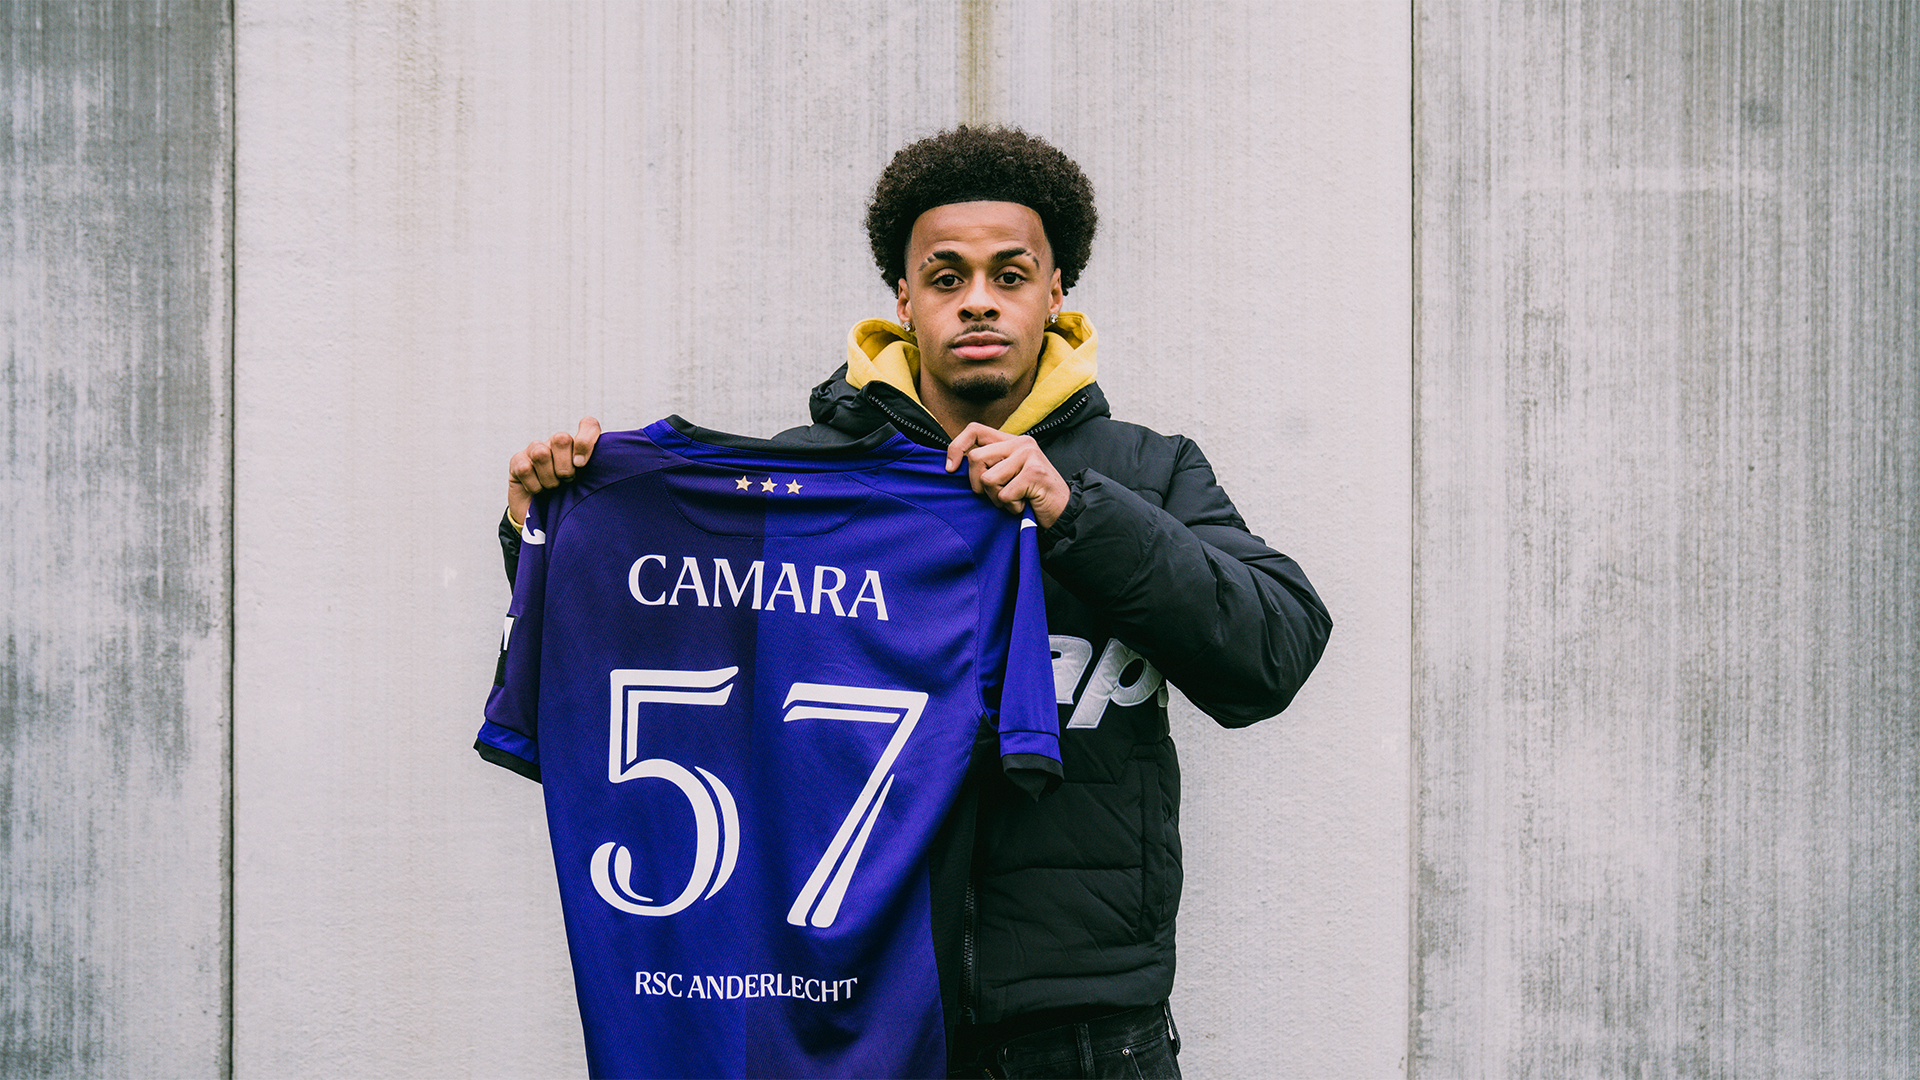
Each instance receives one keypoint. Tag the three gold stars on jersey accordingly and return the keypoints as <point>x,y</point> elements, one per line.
<point>747,483</point>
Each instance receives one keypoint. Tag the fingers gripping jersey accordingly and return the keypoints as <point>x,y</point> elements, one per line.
<point>750,677</point>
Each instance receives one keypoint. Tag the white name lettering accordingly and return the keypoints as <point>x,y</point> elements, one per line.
<point>727,585</point>
<point>876,597</point>
<point>723,571</point>
<point>788,584</point>
<point>833,595</point>
<point>633,580</point>
<point>689,582</point>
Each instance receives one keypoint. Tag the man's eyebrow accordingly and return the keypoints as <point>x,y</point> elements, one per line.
<point>947,256</point>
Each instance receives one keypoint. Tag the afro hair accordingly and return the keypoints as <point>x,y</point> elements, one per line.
<point>973,164</point>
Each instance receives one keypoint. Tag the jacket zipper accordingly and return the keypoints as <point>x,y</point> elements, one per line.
<point>915,428</point>
<point>1059,417</point>
<point>909,426</point>
<point>967,948</point>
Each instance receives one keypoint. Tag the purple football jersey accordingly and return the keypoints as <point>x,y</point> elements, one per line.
<point>750,677</point>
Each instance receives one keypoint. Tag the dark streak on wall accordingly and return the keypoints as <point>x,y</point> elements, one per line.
<point>981,37</point>
<point>115,154</point>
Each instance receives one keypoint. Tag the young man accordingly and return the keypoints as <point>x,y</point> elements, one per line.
<point>1061,958</point>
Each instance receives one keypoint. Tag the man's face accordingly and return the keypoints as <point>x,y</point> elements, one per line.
<point>979,291</point>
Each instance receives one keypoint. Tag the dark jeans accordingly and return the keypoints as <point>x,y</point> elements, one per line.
<point>1141,1044</point>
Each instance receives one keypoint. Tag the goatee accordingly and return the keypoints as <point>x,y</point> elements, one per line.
<point>983,389</point>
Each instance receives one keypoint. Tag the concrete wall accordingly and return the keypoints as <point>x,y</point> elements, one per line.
<point>1667,637</point>
<point>1251,292</point>
<point>115,279</point>
<point>1626,533</point>
<point>462,226</point>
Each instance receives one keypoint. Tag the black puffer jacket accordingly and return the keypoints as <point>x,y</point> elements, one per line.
<point>1150,571</point>
<point>1068,905</point>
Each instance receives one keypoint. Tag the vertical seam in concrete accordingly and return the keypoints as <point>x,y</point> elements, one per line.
<point>227,846</point>
<point>976,62</point>
<point>1413,539</point>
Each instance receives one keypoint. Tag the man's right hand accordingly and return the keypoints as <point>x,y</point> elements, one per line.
<point>548,464</point>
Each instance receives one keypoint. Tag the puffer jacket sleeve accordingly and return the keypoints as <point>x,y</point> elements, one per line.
<point>1230,621</point>
<point>509,546</point>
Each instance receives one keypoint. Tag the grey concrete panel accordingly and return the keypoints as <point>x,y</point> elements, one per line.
<point>461,226</point>
<point>1250,286</point>
<point>1667,621</point>
<point>115,147</point>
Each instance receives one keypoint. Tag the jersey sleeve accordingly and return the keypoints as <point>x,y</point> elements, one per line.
<point>1021,698</point>
<point>510,737</point>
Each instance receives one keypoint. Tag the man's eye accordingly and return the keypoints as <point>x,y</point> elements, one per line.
<point>1011,277</point>
<point>946,281</point>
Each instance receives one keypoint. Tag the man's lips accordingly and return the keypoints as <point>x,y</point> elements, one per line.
<point>980,346</point>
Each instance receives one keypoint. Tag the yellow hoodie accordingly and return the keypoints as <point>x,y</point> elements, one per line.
<point>883,350</point>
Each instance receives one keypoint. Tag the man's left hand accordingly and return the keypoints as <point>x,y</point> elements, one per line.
<point>1011,471</point>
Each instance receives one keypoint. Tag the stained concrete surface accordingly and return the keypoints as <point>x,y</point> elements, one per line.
<point>114,289</point>
<point>1667,589</point>
<point>461,226</point>
<point>1661,551</point>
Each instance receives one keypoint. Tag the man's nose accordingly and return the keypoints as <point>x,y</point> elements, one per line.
<point>979,303</point>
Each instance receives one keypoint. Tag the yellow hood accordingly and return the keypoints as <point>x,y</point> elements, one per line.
<point>879,349</point>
